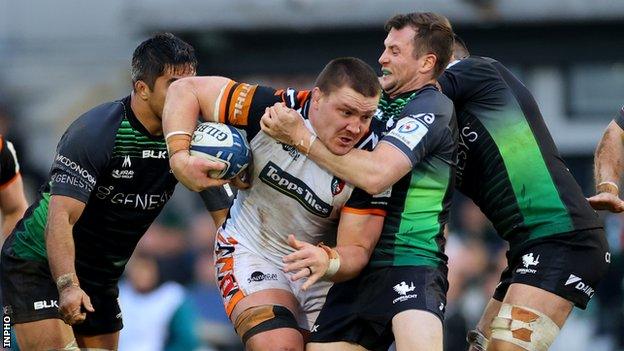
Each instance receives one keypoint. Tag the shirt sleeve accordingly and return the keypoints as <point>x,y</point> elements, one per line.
<point>420,129</point>
<point>242,105</point>
<point>218,198</point>
<point>619,118</point>
<point>362,202</point>
<point>79,160</point>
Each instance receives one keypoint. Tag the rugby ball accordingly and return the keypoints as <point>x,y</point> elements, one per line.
<point>222,143</point>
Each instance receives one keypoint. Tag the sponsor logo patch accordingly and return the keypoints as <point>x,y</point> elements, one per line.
<point>527,261</point>
<point>258,276</point>
<point>403,289</point>
<point>580,285</point>
<point>337,185</point>
<point>409,131</point>
<point>292,187</point>
<point>40,305</point>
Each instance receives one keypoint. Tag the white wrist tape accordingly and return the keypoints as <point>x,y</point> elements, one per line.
<point>334,266</point>
<point>334,261</point>
<point>177,132</point>
<point>604,187</point>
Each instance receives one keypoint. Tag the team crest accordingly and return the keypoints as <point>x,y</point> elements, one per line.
<point>337,185</point>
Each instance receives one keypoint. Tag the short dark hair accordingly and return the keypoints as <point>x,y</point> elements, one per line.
<point>434,34</point>
<point>460,49</point>
<point>158,53</point>
<point>350,71</point>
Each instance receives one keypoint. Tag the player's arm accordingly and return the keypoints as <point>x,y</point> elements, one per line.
<point>78,164</point>
<point>63,213</point>
<point>12,199</point>
<point>371,171</point>
<point>187,99</point>
<point>608,163</point>
<point>12,204</point>
<point>357,236</point>
<point>218,201</point>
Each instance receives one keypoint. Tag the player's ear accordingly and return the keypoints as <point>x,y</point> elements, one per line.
<point>427,63</point>
<point>316,97</point>
<point>142,90</point>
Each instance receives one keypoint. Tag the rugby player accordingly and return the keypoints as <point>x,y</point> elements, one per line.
<point>270,309</point>
<point>12,199</point>
<point>109,180</point>
<point>401,294</point>
<point>509,166</point>
<point>608,167</point>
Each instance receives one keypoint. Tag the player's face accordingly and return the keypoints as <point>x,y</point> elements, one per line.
<point>399,66</point>
<point>342,117</point>
<point>162,83</point>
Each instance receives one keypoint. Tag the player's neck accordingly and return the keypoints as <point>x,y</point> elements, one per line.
<point>415,84</point>
<point>145,115</point>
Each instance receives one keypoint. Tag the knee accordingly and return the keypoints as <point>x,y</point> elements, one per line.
<point>265,318</point>
<point>522,328</point>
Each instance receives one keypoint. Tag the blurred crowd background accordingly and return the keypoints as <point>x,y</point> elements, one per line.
<point>59,58</point>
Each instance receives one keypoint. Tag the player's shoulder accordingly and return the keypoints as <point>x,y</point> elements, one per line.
<point>103,118</point>
<point>100,123</point>
<point>430,100</point>
<point>105,113</point>
<point>471,62</point>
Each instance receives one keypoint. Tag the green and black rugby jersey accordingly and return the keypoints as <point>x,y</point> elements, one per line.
<point>507,161</point>
<point>422,125</point>
<point>109,161</point>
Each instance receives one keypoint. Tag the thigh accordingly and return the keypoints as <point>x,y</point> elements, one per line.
<point>46,334</point>
<point>107,318</point>
<point>241,273</point>
<point>282,335</point>
<point>338,321</point>
<point>361,311</point>
<point>555,307</point>
<point>569,266</point>
<point>107,341</point>
<point>312,299</point>
<point>28,292</point>
<point>416,330</point>
<point>491,311</point>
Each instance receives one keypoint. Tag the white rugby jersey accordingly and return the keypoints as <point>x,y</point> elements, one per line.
<point>290,194</point>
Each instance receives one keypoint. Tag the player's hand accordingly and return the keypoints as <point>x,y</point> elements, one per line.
<point>284,124</point>
<point>243,179</point>
<point>606,201</point>
<point>192,171</point>
<point>74,304</point>
<point>308,261</point>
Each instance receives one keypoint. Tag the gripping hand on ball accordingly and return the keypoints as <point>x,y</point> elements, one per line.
<point>192,171</point>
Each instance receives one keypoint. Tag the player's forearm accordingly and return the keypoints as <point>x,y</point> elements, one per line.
<point>60,246</point>
<point>609,157</point>
<point>13,204</point>
<point>181,108</point>
<point>361,168</point>
<point>353,259</point>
